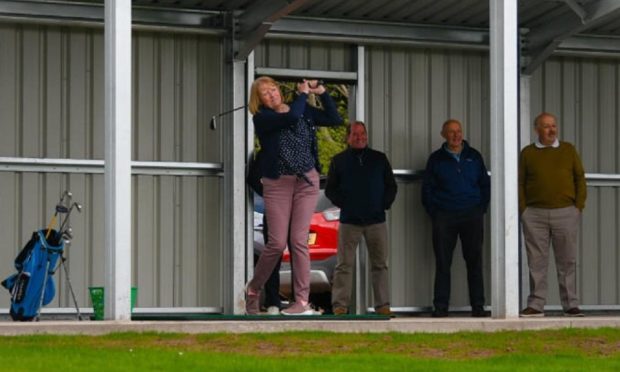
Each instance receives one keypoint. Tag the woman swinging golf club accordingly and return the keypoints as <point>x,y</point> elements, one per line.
<point>290,177</point>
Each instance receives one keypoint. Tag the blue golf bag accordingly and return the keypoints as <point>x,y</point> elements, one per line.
<point>33,284</point>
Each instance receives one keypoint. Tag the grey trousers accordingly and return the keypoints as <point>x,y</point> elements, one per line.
<point>542,227</point>
<point>349,236</point>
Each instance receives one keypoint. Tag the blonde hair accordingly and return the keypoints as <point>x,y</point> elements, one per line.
<point>255,101</point>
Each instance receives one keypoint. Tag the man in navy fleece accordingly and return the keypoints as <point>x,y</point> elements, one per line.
<point>456,193</point>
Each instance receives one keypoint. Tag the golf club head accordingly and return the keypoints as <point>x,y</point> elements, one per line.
<point>61,208</point>
<point>213,123</point>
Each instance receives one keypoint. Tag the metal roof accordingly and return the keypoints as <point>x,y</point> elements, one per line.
<point>547,26</point>
<point>463,13</point>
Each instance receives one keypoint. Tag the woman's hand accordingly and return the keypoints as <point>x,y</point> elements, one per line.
<point>283,108</point>
<point>315,87</point>
<point>303,87</point>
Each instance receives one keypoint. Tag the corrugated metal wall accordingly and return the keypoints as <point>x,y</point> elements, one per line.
<point>585,95</point>
<point>305,55</point>
<point>51,105</point>
<point>410,93</point>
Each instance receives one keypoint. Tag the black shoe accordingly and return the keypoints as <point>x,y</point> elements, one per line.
<point>529,312</point>
<point>573,312</point>
<point>440,313</point>
<point>480,312</point>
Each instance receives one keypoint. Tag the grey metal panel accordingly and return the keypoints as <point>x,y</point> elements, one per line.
<point>9,89</point>
<point>410,93</point>
<point>411,250</point>
<point>52,106</point>
<point>305,55</point>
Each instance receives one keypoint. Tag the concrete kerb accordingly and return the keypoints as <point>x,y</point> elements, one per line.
<point>401,325</point>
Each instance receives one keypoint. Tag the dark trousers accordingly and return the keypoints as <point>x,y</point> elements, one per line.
<point>447,227</point>
<point>272,285</point>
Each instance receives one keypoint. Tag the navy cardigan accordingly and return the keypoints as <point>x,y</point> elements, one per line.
<point>268,125</point>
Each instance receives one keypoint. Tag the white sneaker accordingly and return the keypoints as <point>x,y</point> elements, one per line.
<point>298,309</point>
<point>273,310</point>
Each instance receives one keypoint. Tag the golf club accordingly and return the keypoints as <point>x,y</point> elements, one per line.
<point>214,117</point>
<point>60,208</point>
<point>64,223</point>
<point>66,235</point>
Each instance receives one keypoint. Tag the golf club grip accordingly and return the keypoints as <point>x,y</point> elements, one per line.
<point>49,227</point>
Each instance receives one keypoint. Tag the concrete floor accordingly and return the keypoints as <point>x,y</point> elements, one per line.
<point>399,324</point>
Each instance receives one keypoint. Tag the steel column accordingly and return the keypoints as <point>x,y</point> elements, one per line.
<point>504,153</point>
<point>524,140</point>
<point>117,173</point>
<point>235,191</point>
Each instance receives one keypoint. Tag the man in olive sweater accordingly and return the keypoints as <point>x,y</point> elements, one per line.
<point>552,194</point>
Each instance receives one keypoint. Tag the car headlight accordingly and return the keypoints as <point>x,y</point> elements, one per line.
<point>332,214</point>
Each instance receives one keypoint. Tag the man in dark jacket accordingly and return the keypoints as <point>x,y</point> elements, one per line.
<point>456,193</point>
<point>362,184</point>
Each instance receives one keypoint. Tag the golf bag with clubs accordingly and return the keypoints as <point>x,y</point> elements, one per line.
<point>32,287</point>
<point>33,284</point>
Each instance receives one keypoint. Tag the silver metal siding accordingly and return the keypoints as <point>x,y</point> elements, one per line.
<point>410,93</point>
<point>51,105</point>
<point>299,54</point>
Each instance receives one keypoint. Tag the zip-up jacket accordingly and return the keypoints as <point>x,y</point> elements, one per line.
<point>362,184</point>
<point>453,185</point>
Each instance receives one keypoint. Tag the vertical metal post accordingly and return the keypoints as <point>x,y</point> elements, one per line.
<point>235,191</point>
<point>361,258</point>
<point>117,173</point>
<point>504,155</point>
<point>360,109</point>
<point>249,147</point>
<point>525,126</point>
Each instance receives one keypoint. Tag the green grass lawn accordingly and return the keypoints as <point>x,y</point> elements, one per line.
<point>549,350</point>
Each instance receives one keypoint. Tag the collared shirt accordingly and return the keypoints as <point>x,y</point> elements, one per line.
<point>555,144</point>
<point>455,155</point>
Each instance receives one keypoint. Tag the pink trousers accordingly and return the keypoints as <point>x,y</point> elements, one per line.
<point>289,204</point>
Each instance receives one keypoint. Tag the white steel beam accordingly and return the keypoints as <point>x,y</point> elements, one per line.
<point>361,255</point>
<point>249,147</point>
<point>117,173</point>
<point>504,154</point>
<point>360,107</point>
<point>235,206</point>
<point>524,140</point>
